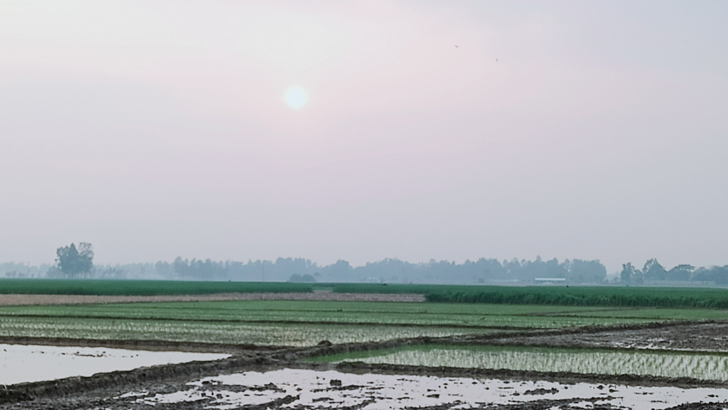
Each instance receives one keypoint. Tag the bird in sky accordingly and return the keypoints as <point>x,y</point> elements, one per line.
<point>457,46</point>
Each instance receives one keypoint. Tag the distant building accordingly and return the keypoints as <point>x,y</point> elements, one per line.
<point>545,281</point>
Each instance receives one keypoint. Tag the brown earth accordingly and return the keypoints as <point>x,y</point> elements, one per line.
<point>707,336</point>
<point>23,300</point>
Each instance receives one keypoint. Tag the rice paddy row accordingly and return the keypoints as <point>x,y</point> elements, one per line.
<point>555,360</point>
<point>305,323</point>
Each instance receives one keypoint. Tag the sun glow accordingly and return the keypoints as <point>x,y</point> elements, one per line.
<point>296,97</point>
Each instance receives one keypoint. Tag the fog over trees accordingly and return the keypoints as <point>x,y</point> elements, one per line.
<point>75,262</point>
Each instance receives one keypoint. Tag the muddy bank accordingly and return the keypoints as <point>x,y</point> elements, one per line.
<point>24,300</point>
<point>121,381</point>
<point>706,336</point>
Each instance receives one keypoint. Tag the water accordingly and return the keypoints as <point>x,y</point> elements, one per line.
<point>21,363</point>
<point>332,389</point>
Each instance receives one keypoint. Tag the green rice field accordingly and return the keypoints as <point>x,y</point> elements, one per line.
<point>614,296</point>
<point>586,361</point>
<point>301,323</point>
<point>279,334</point>
<point>640,296</point>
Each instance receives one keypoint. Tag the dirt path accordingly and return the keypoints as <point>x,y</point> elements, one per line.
<point>25,300</point>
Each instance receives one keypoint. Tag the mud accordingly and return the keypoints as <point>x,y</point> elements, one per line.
<point>334,389</point>
<point>24,300</point>
<point>182,386</point>
<point>687,337</point>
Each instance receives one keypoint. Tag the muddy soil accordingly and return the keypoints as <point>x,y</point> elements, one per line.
<point>691,337</point>
<point>22,300</point>
<point>106,390</point>
<point>429,392</point>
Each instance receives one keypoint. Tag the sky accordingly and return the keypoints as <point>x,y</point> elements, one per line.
<point>364,130</point>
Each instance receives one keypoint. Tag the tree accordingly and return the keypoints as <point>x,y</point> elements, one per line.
<point>631,275</point>
<point>297,278</point>
<point>579,271</point>
<point>680,273</point>
<point>73,262</point>
<point>654,271</point>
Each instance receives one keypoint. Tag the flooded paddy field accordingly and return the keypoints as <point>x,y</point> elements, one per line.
<point>297,388</point>
<point>310,389</point>
<point>23,364</point>
<point>288,379</point>
<point>358,355</point>
<point>541,359</point>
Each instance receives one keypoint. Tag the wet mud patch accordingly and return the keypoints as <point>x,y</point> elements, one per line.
<point>330,389</point>
<point>706,336</point>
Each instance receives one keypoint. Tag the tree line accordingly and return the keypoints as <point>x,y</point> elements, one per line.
<point>654,273</point>
<point>77,262</point>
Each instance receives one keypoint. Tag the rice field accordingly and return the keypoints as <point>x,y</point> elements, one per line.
<point>280,334</point>
<point>290,323</point>
<point>614,296</point>
<point>305,323</point>
<point>586,361</point>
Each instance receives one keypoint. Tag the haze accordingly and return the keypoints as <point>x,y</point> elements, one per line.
<point>431,130</point>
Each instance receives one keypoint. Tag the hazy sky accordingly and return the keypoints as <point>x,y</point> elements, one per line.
<point>432,129</point>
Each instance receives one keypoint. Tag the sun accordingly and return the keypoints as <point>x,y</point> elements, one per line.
<point>296,97</point>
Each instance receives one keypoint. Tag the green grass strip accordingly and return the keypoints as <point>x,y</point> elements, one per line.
<point>612,296</point>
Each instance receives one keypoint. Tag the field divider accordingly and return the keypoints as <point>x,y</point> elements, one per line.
<point>284,322</point>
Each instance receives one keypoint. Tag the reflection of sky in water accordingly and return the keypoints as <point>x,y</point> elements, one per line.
<point>20,364</point>
<point>699,366</point>
<point>397,391</point>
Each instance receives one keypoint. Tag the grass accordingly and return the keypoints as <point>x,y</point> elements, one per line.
<point>556,295</point>
<point>141,287</point>
<point>605,296</point>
